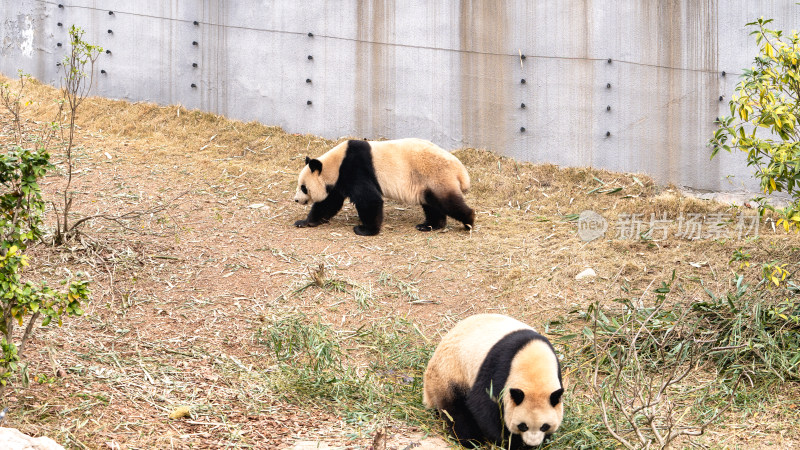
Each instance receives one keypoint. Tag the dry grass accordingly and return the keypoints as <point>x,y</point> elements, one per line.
<point>179,296</point>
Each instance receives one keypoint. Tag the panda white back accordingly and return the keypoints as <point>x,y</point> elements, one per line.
<point>407,168</point>
<point>475,336</point>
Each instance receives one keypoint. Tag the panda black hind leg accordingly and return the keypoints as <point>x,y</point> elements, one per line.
<point>457,208</point>
<point>435,218</point>
<point>452,205</point>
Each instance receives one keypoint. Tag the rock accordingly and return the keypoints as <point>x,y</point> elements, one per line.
<point>13,439</point>
<point>181,411</point>
<point>586,273</point>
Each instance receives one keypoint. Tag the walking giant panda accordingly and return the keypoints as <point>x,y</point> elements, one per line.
<point>494,378</point>
<point>413,171</point>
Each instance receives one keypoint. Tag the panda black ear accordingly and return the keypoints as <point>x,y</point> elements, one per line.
<point>315,165</point>
<point>555,397</point>
<point>517,395</point>
<point>307,160</point>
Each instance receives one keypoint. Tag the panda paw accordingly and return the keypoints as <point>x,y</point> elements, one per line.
<point>361,230</point>
<point>306,223</point>
<point>427,226</point>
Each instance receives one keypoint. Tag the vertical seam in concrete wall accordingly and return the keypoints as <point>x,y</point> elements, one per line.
<point>361,74</point>
<point>484,73</point>
<point>224,70</point>
<point>375,71</point>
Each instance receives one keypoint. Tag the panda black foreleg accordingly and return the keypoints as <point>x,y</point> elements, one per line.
<point>459,418</point>
<point>486,411</point>
<point>369,205</point>
<point>322,212</point>
<point>464,428</point>
<point>515,441</point>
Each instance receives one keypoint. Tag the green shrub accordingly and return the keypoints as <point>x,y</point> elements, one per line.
<point>764,118</point>
<point>21,209</point>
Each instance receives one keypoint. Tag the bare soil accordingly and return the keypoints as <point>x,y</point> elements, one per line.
<point>180,291</point>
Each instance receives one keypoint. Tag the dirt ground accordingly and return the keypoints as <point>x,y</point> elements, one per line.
<point>180,288</point>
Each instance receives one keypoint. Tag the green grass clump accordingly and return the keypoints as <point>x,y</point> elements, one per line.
<point>656,372</point>
<point>757,328</point>
<point>367,375</point>
<point>582,428</point>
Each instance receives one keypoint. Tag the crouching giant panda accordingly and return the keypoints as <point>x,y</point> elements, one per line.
<point>413,171</point>
<point>493,378</point>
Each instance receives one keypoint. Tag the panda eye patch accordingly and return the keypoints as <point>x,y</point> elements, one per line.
<point>303,188</point>
<point>522,427</point>
<point>545,427</point>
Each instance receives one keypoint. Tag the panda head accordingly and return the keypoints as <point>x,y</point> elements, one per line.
<point>311,186</point>
<point>533,414</point>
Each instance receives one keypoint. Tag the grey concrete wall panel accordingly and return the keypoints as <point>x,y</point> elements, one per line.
<point>449,71</point>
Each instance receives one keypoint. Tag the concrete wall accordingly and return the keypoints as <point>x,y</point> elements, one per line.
<point>446,70</point>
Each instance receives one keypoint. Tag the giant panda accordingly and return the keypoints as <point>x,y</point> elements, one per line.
<point>493,378</point>
<point>413,171</point>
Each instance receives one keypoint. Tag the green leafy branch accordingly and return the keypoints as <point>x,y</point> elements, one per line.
<point>21,209</point>
<point>764,119</point>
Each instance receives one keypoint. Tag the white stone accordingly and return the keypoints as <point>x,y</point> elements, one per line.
<point>586,273</point>
<point>13,439</point>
